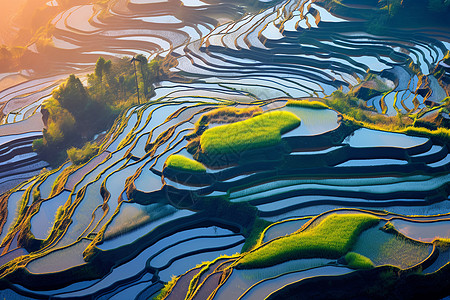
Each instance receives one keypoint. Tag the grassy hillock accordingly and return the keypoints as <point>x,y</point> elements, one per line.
<point>358,261</point>
<point>261,131</point>
<point>227,114</point>
<point>182,163</point>
<point>308,104</point>
<point>331,238</point>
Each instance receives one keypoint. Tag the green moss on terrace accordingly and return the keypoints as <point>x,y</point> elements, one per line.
<point>358,261</point>
<point>261,131</point>
<point>182,163</point>
<point>439,135</point>
<point>331,238</point>
<point>307,103</point>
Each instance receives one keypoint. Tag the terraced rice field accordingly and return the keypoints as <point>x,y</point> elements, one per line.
<point>122,224</point>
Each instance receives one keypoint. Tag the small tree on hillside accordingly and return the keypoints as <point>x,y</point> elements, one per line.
<point>143,65</point>
<point>72,96</point>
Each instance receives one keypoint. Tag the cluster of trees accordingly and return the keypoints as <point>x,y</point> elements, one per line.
<point>74,113</point>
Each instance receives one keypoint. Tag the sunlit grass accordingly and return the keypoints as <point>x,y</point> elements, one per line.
<point>358,261</point>
<point>183,163</point>
<point>80,156</point>
<point>261,131</point>
<point>442,134</point>
<point>228,114</point>
<point>167,288</point>
<point>331,238</point>
<point>307,104</point>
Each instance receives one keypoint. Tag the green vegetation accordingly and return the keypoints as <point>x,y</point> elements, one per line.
<point>205,267</point>
<point>372,85</point>
<point>80,156</point>
<point>331,238</point>
<point>358,261</point>
<point>442,243</point>
<point>389,227</point>
<point>183,163</point>
<point>222,115</point>
<point>353,108</point>
<point>228,114</point>
<point>307,103</point>
<point>166,289</point>
<point>36,195</point>
<point>440,134</point>
<point>261,131</point>
<point>357,111</point>
<point>254,235</point>
<point>74,113</point>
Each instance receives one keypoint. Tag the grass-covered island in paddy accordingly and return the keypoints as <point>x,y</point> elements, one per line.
<point>223,150</point>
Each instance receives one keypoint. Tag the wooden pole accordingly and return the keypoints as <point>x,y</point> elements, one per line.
<point>133,60</point>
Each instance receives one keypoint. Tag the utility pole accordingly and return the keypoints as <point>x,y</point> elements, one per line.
<point>133,60</point>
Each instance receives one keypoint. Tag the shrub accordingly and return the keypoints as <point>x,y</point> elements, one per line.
<point>59,213</point>
<point>53,134</point>
<point>79,156</point>
<point>36,194</point>
<point>72,95</point>
<point>38,145</point>
<point>331,238</point>
<point>60,123</point>
<point>307,103</point>
<point>260,131</point>
<point>358,261</point>
<point>183,163</point>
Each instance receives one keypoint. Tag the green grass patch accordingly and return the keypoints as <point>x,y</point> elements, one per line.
<point>442,243</point>
<point>331,238</point>
<point>357,111</point>
<point>255,234</point>
<point>441,134</point>
<point>228,114</point>
<point>166,289</point>
<point>358,261</point>
<point>308,104</point>
<point>183,163</point>
<point>80,156</point>
<point>260,131</point>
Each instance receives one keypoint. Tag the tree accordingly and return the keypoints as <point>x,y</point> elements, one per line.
<point>99,68</point>
<point>143,64</point>
<point>102,67</point>
<point>72,96</point>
